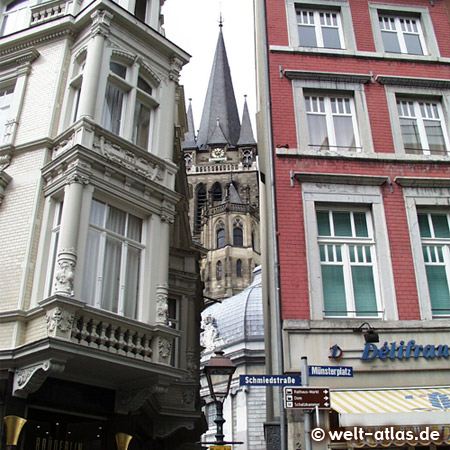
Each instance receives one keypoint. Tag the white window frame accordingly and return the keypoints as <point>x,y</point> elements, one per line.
<point>132,94</point>
<point>125,243</point>
<point>346,32</point>
<point>442,96</point>
<point>358,196</point>
<point>422,199</point>
<point>361,122</point>
<point>421,14</point>
<point>345,242</point>
<point>18,18</point>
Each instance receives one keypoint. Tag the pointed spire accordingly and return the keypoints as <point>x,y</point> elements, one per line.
<point>220,101</point>
<point>246,136</point>
<point>189,136</point>
<point>233,195</point>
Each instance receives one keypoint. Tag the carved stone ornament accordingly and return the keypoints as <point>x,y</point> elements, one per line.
<point>30,379</point>
<point>162,304</point>
<point>101,23</point>
<point>164,347</point>
<point>210,338</point>
<point>77,178</point>
<point>188,396</point>
<point>132,400</point>
<point>192,365</point>
<point>65,272</point>
<point>59,321</point>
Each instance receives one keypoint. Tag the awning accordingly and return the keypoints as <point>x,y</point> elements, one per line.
<point>383,407</point>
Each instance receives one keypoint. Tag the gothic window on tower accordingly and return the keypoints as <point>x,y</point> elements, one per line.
<point>238,233</point>
<point>247,158</point>
<point>217,192</point>
<point>220,235</point>
<point>188,161</point>
<point>239,268</point>
<point>200,204</point>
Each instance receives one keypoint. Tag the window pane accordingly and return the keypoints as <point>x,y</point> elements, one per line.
<point>111,275</point>
<point>116,220</point>
<point>307,36</point>
<point>331,38</point>
<point>438,288</point>
<point>239,268</point>
<point>424,225</point>
<point>360,224</point>
<point>132,282</point>
<point>411,137</point>
<point>90,266</point>
<point>436,142</point>
<point>112,111</point>
<point>238,239</point>
<point>317,132</point>
<point>334,291</point>
<point>97,214</point>
<point>345,136</point>
<point>390,42</point>
<point>364,291</point>
<point>440,225</point>
<point>144,86</point>
<point>413,45</point>
<point>134,229</point>
<point>323,223</point>
<point>118,69</point>
<point>140,9</point>
<point>141,125</point>
<point>342,224</point>
<point>221,238</point>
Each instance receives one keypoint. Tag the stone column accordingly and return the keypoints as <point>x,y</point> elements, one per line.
<point>68,238</point>
<point>94,61</point>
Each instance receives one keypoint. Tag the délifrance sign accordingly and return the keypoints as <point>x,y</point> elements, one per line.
<point>404,351</point>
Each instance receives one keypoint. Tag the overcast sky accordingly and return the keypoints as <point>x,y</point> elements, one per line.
<point>194,26</point>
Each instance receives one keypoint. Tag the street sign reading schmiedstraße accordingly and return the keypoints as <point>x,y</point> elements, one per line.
<point>269,380</point>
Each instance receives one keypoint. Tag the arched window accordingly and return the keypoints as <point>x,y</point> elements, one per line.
<point>239,268</point>
<point>16,17</point>
<point>201,202</point>
<point>220,235</point>
<point>217,192</point>
<point>188,161</point>
<point>219,270</point>
<point>238,233</point>
<point>247,157</point>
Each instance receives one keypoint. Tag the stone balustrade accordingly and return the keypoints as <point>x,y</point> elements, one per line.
<point>44,12</point>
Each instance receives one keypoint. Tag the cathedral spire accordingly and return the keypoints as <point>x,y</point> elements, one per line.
<point>220,102</point>
<point>246,136</point>
<point>189,136</point>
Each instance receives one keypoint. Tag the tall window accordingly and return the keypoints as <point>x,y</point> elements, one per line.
<point>6,96</point>
<point>173,322</point>
<point>219,270</point>
<point>16,17</point>
<point>140,9</point>
<point>239,268</point>
<point>402,35</point>
<point>238,234</point>
<point>217,192</point>
<point>220,235</point>
<point>435,234</point>
<point>319,29</point>
<point>54,246</point>
<point>200,204</point>
<point>347,256</point>
<point>331,123</point>
<point>423,130</point>
<point>114,99</point>
<point>113,258</point>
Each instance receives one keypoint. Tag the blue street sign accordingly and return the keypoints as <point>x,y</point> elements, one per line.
<point>330,371</point>
<point>270,380</point>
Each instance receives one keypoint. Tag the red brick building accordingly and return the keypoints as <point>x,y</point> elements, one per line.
<point>354,140</point>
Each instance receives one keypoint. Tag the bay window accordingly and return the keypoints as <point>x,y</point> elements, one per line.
<point>113,259</point>
<point>435,236</point>
<point>347,259</point>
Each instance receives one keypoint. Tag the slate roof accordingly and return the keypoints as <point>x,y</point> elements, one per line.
<point>220,102</point>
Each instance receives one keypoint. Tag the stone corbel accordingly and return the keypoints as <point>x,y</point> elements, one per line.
<point>4,181</point>
<point>132,400</point>
<point>29,379</point>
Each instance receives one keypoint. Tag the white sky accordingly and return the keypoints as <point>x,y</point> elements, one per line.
<point>193,25</point>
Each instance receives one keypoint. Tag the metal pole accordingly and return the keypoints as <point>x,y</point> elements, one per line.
<point>219,420</point>
<point>307,414</point>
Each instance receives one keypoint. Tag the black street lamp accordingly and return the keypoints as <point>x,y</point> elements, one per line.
<point>219,371</point>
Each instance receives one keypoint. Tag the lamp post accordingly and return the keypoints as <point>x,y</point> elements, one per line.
<point>219,371</point>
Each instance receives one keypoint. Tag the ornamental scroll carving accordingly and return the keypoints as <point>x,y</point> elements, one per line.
<point>29,379</point>
<point>164,347</point>
<point>65,271</point>
<point>60,322</point>
<point>162,305</point>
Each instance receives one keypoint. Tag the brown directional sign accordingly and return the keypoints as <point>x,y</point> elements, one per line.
<point>307,397</point>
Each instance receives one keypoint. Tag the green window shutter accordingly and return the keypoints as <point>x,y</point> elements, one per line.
<point>438,288</point>
<point>334,290</point>
<point>364,291</point>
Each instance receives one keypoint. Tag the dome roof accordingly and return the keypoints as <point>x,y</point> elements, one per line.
<point>235,319</point>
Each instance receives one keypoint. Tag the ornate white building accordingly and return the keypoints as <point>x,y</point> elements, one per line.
<point>100,296</point>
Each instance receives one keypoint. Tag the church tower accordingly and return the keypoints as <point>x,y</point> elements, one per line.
<point>222,172</point>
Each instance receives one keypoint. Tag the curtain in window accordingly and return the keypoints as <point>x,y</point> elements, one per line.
<point>132,281</point>
<point>364,291</point>
<point>141,127</point>
<point>334,290</point>
<point>111,275</point>
<point>112,111</point>
<point>90,275</point>
<point>438,289</point>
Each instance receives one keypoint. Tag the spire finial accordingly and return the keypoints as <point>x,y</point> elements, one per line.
<point>221,21</point>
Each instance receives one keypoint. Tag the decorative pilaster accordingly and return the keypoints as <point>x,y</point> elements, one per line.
<point>70,223</point>
<point>162,304</point>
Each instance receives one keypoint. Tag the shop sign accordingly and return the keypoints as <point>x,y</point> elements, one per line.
<point>404,351</point>
<point>307,397</point>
